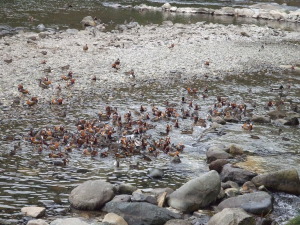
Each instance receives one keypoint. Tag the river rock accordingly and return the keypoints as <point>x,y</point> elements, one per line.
<point>232,216</point>
<point>138,196</point>
<point>156,173</point>
<point>121,198</point>
<point>261,119</point>
<point>125,189</point>
<point>178,222</point>
<point>277,114</point>
<point>225,11</point>
<point>141,213</point>
<point>217,165</point>
<point>218,120</point>
<point>166,6</point>
<point>41,27</point>
<point>114,219</point>
<point>236,150</point>
<point>173,9</point>
<point>215,152</point>
<point>196,193</point>
<point>33,211</point>
<point>230,184</point>
<point>68,221</point>
<point>292,121</point>
<point>236,174</point>
<point>91,195</point>
<point>259,203</point>
<point>244,12</point>
<point>283,180</point>
<point>37,222</point>
<point>248,186</point>
<point>88,21</point>
<point>232,192</point>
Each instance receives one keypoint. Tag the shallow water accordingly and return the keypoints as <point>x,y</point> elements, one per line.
<point>29,178</point>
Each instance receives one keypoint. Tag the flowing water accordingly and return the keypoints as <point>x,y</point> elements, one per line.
<point>30,178</point>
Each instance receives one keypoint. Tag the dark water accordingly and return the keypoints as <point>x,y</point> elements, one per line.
<point>56,15</point>
<point>29,178</point>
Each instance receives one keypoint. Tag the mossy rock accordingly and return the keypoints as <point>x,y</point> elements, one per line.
<point>294,221</point>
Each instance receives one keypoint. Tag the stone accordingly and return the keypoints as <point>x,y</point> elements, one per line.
<point>277,114</point>
<point>217,165</point>
<point>225,11</point>
<point>173,9</point>
<point>178,222</point>
<point>218,120</point>
<point>248,186</point>
<point>261,119</point>
<point>37,222</point>
<point>236,150</point>
<point>121,198</point>
<point>230,184</point>
<point>68,221</point>
<point>283,180</point>
<point>292,121</point>
<point>140,197</point>
<point>140,213</point>
<point>91,195</point>
<point>161,199</point>
<point>214,153</point>
<point>232,216</point>
<point>176,160</point>
<point>114,219</point>
<point>41,27</point>
<point>88,21</point>
<point>236,174</point>
<point>232,192</point>
<point>196,193</point>
<point>258,203</point>
<point>166,6</point>
<point>125,189</point>
<point>33,211</point>
<point>244,12</point>
<point>156,173</point>
<point>222,194</point>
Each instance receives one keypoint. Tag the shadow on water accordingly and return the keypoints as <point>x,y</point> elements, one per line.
<point>30,178</point>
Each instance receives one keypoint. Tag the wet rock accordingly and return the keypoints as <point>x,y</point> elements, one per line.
<point>232,192</point>
<point>178,222</point>
<point>283,180</point>
<point>8,61</point>
<point>230,184</point>
<point>218,164</point>
<point>236,216</point>
<point>33,211</point>
<point>259,203</point>
<point>222,194</point>
<point>161,199</point>
<point>276,114</point>
<point>173,9</point>
<point>41,27</point>
<point>292,121</point>
<point>37,222</point>
<point>68,221</point>
<point>215,152</point>
<point>138,196</point>
<point>244,12</point>
<point>264,221</point>
<point>121,198</point>
<point>235,150</point>
<point>91,195</point>
<point>218,120</point>
<point>125,189</point>
<point>88,21</point>
<point>196,193</point>
<point>166,6</point>
<point>140,213</point>
<point>176,160</point>
<point>158,191</point>
<point>114,219</point>
<point>225,11</point>
<point>156,173</point>
<point>261,119</point>
<point>82,170</point>
<point>236,174</point>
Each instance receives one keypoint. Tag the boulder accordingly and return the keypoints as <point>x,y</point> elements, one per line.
<point>232,192</point>
<point>244,12</point>
<point>292,121</point>
<point>114,219</point>
<point>33,211</point>
<point>283,180</point>
<point>215,152</point>
<point>277,114</point>
<point>68,221</point>
<point>230,216</point>
<point>140,213</point>
<point>125,189</point>
<point>178,222</point>
<point>196,193</point>
<point>88,21</point>
<point>218,120</point>
<point>121,198</point>
<point>156,173</point>
<point>249,186</point>
<point>226,11</point>
<point>37,222</point>
<point>261,119</point>
<point>217,165</point>
<point>91,195</point>
<point>230,184</point>
<point>236,174</point>
<point>259,203</point>
<point>166,6</point>
<point>138,196</point>
<point>235,150</point>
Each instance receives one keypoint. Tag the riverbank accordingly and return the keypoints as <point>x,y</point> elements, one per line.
<point>152,51</point>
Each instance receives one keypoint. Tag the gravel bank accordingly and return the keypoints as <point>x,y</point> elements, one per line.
<point>146,49</point>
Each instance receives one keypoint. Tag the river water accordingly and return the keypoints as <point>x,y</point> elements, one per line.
<point>30,178</point>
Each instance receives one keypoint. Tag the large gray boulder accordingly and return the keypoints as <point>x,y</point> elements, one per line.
<point>196,193</point>
<point>141,213</point>
<point>259,203</point>
<point>230,216</point>
<point>236,174</point>
<point>91,195</point>
<point>283,180</point>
